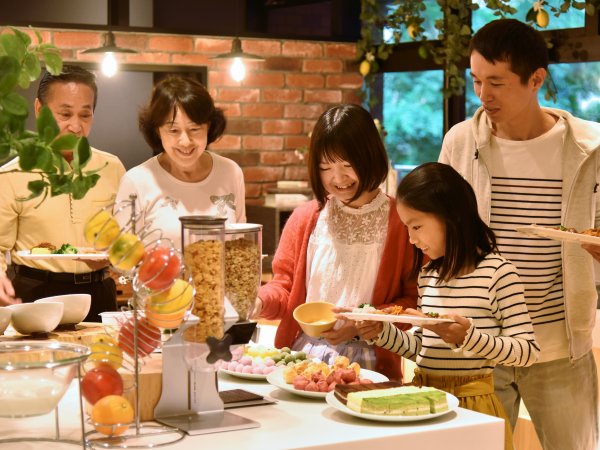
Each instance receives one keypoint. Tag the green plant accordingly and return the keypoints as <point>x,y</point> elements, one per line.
<point>454,33</point>
<point>39,152</point>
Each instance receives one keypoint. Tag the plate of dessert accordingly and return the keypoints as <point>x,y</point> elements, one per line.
<point>589,236</point>
<point>255,362</point>
<point>314,379</point>
<point>385,403</point>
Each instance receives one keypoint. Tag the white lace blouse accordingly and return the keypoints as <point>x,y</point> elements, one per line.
<point>344,252</point>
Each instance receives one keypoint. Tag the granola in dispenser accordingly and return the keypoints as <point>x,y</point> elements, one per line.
<point>204,260</point>
<point>242,274</point>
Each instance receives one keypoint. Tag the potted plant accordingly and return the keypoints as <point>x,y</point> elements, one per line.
<point>39,151</point>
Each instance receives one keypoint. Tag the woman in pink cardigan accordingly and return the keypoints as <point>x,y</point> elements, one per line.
<point>346,247</point>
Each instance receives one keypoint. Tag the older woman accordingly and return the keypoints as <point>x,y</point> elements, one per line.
<point>184,178</point>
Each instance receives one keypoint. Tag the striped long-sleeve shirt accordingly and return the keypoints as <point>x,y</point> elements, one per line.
<point>491,297</point>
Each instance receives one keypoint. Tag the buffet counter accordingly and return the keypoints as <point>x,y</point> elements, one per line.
<point>292,423</point>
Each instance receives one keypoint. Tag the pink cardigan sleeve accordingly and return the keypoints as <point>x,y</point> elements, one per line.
<point>289,263</point>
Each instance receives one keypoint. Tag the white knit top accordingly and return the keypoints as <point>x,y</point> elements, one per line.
<point>344,252</point>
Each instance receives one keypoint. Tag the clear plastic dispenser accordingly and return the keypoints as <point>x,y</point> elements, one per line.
<point>203,248</point>
<point>190,399</point>
<point>243,265</point>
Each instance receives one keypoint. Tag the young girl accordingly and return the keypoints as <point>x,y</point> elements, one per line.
<point>465,280</point>
<point>346,247</point>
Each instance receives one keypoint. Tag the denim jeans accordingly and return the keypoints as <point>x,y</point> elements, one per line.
<point>561,397</point>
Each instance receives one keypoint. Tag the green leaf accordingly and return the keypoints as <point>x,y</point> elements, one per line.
<point>59,184</point>
<point>64,142</point>
<point>4,152</point>
<point>37,187</point>
<point>13,46</point>
<point>530,17</point>
<point>590,10</point>
<point>83,184</point>
<point>31,66</point>
<point>15,104</point>
<point>23,36</point>
<point>46,125</point>
<point>82,155</point>
<point>9,74</point>
<point>28,157</point>
<point>53,60</point>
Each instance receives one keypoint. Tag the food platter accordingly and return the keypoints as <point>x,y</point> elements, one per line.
<point>403,318</point>
<point>333,401</point>
<point>245,376</point>
<point>558,235</point>
<point>83,253</point>
<point>276,379</point>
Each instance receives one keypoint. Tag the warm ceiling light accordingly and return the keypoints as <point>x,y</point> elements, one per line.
<point>109,62</point>
<point>237,70</point>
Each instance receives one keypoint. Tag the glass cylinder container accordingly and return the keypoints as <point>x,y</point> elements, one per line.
<point>243,265</point>
<point>203,247</point>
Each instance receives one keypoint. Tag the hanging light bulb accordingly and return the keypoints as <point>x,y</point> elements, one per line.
<point>237,69</point>
<point>109,64</point>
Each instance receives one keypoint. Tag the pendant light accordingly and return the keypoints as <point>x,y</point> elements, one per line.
<point>109,64</point>
<point>237,70</point>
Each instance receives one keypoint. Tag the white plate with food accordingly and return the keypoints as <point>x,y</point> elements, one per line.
<point>245,376</point>
<point>402,318</point>
<point>276,379</point>
<point>333,401</point>
<point>559,235</point>
<point>82,253</point>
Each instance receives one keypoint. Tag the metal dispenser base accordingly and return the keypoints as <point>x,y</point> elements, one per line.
<point>196,387</point>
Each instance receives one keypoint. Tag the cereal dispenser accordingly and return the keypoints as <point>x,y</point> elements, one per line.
<point>243,265</point>
<point>190,399</point>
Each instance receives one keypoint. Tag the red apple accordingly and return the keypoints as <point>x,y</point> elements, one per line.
<point>148,337</point>
<point>101,381</point>
<point>159,267</point>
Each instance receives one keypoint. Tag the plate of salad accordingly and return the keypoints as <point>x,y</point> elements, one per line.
<point>65,251</point>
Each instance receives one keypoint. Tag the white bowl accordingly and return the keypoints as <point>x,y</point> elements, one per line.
<point>34,375</point>
<point>115,318</point>
<point>28,318</point>
<point>76,306</point>
<point>5,314</point>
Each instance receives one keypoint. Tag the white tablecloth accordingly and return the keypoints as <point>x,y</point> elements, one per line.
<point>292,423</point>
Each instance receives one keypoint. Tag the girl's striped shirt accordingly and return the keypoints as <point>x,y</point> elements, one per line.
<point>491,297</point>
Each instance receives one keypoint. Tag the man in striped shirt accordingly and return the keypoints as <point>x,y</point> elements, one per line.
<point>534,165</point>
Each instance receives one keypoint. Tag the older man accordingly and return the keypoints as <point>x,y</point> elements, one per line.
<point>71,96</point>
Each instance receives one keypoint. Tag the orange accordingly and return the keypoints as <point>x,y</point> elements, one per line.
<point>111,415</point>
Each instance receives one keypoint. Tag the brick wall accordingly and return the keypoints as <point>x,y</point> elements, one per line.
<point>270,113</point>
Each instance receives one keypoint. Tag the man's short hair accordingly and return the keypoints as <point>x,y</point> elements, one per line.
<point>514,42</point>
<point>70,73</point>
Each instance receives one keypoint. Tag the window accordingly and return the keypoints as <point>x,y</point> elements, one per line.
<point>573,19</point>
<point>413,116</point>
<point>577,90</point>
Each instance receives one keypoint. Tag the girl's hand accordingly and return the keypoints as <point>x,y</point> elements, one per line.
<point>369,329</point>
<point>451,332</point>
<point>343,334</point>
<point>256,309</point>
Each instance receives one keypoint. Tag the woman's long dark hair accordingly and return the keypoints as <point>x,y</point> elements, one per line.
<point>438,189</point>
